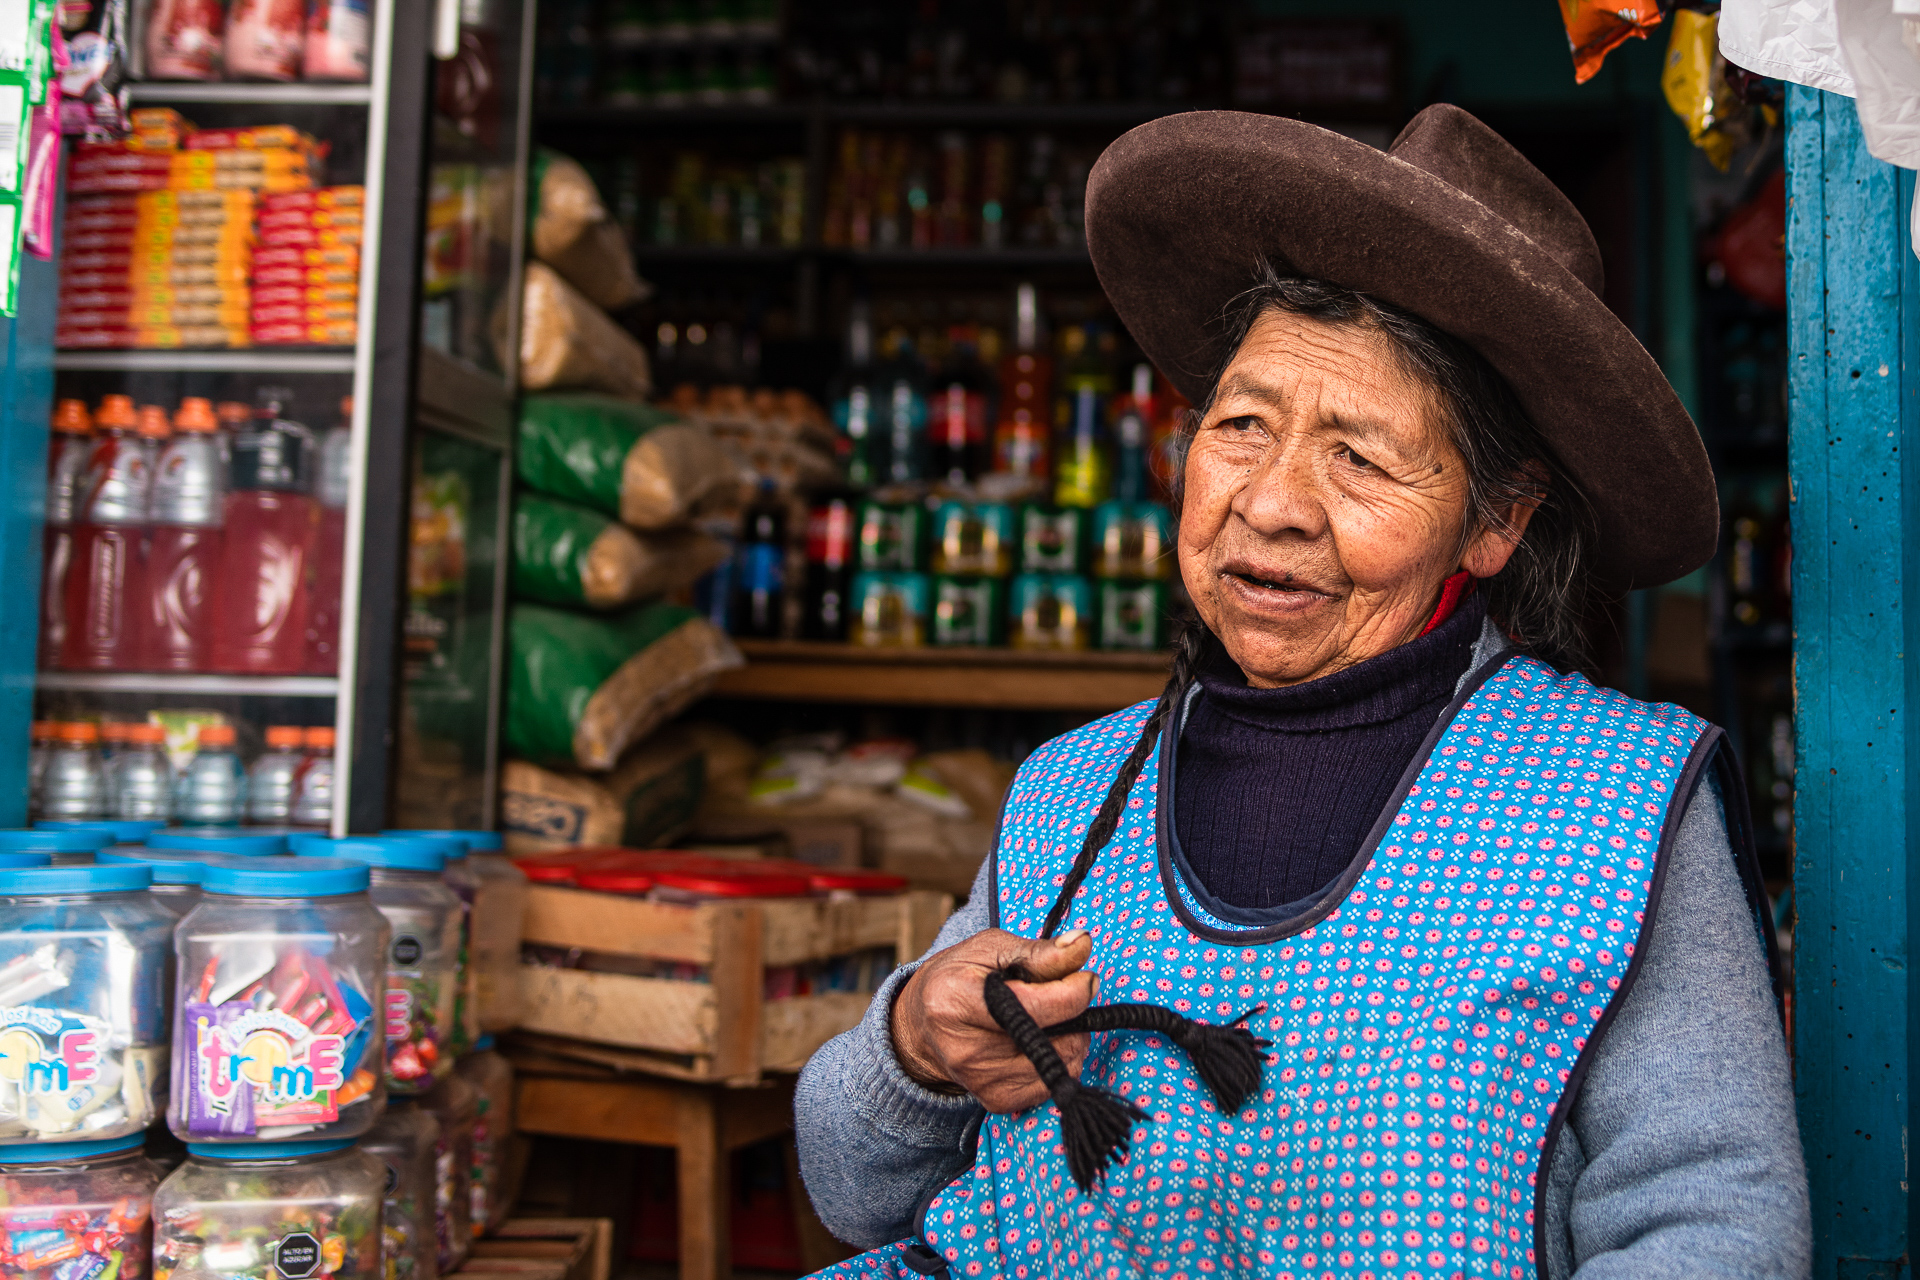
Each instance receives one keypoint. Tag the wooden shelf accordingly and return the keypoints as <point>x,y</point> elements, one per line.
<point>1002,679</point>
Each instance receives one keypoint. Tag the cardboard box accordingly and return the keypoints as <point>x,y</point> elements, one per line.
<point>647,801</point>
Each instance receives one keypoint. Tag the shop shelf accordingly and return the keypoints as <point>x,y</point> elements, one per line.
<point>253,95</point>
<point>156,682</point>
<point>1006,679</point>
<point>167,361</point>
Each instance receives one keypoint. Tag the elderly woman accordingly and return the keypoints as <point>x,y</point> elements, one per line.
<point>1378,945</point>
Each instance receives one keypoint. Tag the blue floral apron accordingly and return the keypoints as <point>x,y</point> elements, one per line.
<point>1430,1021</point>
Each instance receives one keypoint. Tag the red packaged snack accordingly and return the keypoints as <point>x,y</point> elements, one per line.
<point>1596,28</point>
<point>278,295</point>
<point>275,256</point>
<point>278,277</point>
<point>268,317</point>
<point>279,335</point>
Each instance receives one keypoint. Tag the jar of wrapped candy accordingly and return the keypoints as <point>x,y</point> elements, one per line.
<point>458,876</point>
<point>454,1105</point>
<point>281,970</point>
<point>176,876</point>
<point>422,957</point>
<point>491,1076</point>
<point>77,1209</point>
<point>406,1139</point>
<point>83,1024</point>
<point>271,1211</point>
<point>498,912</point>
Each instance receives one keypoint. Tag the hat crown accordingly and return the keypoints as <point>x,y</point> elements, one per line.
<point>1465,154</point>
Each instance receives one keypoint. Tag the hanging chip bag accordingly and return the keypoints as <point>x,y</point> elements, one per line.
<point>1596,28</point>
<point>568,555</point>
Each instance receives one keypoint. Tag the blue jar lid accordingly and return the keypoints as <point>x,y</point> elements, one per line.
<point>263,1150</point>
<point>25,859</point>
<point>285,878</point>
<point>170,866</point>
<point>241,844</point>
<point>394,853</point>
<point>306,842</point>
<point>124,830</point>
<point>69,841</point>
<point>475,841</point>
<point>50,1152</point>
<point>100,877</point>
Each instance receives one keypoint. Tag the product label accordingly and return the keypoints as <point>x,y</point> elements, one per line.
<point>43,1054</point>
<point>254,1068</point>
<point>297,1256</point>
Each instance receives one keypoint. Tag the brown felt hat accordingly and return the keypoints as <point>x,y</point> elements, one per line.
<point>1450,223</point>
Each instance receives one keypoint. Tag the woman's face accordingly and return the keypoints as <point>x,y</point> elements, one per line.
<point>1324,503</point>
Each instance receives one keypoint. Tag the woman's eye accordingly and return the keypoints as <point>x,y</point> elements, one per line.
<point>1354,457</point>
<point>1240,424</point>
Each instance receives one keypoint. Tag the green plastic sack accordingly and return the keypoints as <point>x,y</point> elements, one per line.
<point>582,689</point>
<point>571,231</point>
<point>639,464</point>
<point>568,555</point>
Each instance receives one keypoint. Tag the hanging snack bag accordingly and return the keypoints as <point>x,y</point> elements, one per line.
<point>573,234</point>
<point>566,341</point>
<point>281,970</point>
<point>568,555</point>
<point>639,464</point>
<point>583,689</point>
<point>271,1211</point>
<point>1695,83</point>
<point>77,1209</point>
<point>405,886</point>
<point>83,1028</point>
<point>406,1139</point>
<point>1596,28</point>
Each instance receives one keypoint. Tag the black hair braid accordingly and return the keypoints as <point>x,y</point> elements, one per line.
<point>1096,1126</point>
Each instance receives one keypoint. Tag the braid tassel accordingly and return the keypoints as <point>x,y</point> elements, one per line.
<point>1096,1127</point>
<point>1227,1058</point>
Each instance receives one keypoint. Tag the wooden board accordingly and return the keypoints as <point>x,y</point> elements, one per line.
<point>616,1008</point>
<point>792,1029</point>
<point>1007,679</point>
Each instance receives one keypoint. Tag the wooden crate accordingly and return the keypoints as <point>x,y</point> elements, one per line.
<point>545,1249</point>
<point>721,1029</point>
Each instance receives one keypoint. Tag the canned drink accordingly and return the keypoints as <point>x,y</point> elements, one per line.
<point>75,784</point>
<point>1051,539</point>
<point>270,782</point>
<point>1131,616</point>
<point>212,790</point>
<point>973,539</point>
<point>890,536</point>
<point>1132,540</point>
<point>967,611</point>
<point>889,610</point>
<point>1050,611</point>
<point>142,776</point>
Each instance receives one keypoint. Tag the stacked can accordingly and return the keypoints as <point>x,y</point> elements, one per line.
<point>307,267</point>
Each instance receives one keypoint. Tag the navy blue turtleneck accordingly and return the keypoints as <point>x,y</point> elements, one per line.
<point>1276,788</point>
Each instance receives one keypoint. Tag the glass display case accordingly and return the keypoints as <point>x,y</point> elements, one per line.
<point>277,480</point>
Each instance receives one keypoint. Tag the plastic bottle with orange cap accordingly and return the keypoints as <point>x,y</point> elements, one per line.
<point>108,570</point>
<point>183,551</point>
<point>66,480</point>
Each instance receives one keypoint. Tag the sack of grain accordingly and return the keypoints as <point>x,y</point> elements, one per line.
<point>582,689</point>
<point>647,801</point>
<point>566,341</point>
<point>637,463</point>
<point>568,555</point>
<point>573,234</point>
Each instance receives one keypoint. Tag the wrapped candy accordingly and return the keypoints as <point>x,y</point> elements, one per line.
<point>270,1211</point>
<point>278,973</point>
<point>75,1210</point>
<point>83,1041</point>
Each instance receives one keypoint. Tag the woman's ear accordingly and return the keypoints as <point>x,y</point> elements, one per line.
<point>1489,549</point>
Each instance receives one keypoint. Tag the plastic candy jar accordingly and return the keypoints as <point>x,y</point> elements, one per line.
<point>123,831</point>
<point>460,878</point>
<point>252,844</point>
<point>83,1029</point>
<point>176,879</point>
<point>271,1211</point>
<point>421,959</point>
<point>74,846</point>
<point>406,1139</point>
<point>276,1035</point>
<point>73,1209</point>
<point>499,912</point>
<point>454,1105</point>
<point>491,1076</point>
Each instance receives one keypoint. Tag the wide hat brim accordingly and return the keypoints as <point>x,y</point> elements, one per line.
<point>1181,211</point>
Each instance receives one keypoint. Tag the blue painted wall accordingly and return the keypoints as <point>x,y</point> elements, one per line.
<point>26,402</point>
<point>1853,291</point>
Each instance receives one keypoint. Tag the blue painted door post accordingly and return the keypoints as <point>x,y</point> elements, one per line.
<point>26,403</point>
<point>1854,320</point>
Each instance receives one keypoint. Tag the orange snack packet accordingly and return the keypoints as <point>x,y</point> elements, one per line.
<point>1595,28</point>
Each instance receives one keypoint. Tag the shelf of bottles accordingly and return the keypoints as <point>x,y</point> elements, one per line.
<point>201,462</point>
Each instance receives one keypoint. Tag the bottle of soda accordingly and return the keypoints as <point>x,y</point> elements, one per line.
<point>331,488</point>
<point>106,581</point>
<point>270,782</point>
<point>1022,430</point>
<point>1083,469</point>
<point>66,484</point>
<point>262,599</point>
<point>760,581</point>
<point>142,776</point>
<point>957,416</point>
<point>212,790</point>
<point>75,784</point>
<point>183,548</point>
<point>854,409</point>
<point>313,786</point>
<point>830,563</point>
<point>1133,437</point>
<point>902,410</point>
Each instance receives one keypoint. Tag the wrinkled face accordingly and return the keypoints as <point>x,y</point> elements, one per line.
<point>1324,503</point>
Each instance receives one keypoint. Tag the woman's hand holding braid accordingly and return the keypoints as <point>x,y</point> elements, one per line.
<point>946,1040</point>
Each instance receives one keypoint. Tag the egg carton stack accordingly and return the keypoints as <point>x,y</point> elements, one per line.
<point>306,285</point>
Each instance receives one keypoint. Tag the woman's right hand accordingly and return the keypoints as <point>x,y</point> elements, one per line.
<point>947,1041</point>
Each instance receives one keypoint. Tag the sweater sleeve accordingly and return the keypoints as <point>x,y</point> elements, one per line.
<point>1686,1122</point>
<point>874,1145</point>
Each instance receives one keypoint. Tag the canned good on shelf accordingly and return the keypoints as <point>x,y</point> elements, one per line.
<point>280,973</point>
<point>407,1139</point>
<point>77,1209</point>
<point>271,1211</point>
<point>422,958</point>
<point>83,1031</point>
